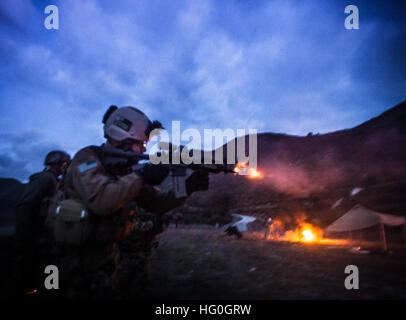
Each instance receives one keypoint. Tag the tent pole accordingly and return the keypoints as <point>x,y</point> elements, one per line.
<point>404,235</point>
<point>385,246</point>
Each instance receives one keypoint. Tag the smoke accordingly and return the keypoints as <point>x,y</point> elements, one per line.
<point>358,157</point>
<point>291,180</point>
<point>302,178</point>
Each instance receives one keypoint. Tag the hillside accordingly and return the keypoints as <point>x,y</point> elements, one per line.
<point>319,176</point>
<point>308,175</point>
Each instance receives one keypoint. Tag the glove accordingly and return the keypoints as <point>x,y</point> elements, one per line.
<point>198,181</point>
<point>153,174</point>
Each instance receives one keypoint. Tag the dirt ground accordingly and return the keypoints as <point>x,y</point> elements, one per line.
<point>200,263</point>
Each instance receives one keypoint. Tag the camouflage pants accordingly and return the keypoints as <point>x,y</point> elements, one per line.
<point>133,266</point>
<point>132,274</point>
<point>87,275</point>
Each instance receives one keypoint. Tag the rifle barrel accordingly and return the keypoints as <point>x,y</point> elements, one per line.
<point>214,168</point>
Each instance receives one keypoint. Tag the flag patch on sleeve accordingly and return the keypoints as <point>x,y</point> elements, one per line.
<point>86,166</point>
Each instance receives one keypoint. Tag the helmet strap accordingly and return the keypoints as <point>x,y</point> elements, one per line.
<point>124,145</point>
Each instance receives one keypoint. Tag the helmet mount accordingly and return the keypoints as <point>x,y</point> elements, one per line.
<point>126,123</point>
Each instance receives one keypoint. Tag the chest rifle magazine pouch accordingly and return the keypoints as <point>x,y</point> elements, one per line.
<point>71,222</point>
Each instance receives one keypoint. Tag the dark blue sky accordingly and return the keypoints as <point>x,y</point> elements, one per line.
<point>275,66</point>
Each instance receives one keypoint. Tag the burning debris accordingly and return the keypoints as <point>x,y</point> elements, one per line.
<point>301,232</point>
<point>304,232</point>
<point>308,235</point>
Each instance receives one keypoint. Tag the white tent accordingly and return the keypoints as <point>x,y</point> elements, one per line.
<point>359,218</point>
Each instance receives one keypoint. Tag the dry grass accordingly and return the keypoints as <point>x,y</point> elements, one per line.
<point>199,263</point>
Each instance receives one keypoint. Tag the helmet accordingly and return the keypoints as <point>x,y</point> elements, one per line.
<point>56,156</point>
<point>127,123</point>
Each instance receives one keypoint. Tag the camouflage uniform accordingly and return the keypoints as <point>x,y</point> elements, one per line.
<point>135,249</point>
<point>32,241</point>
<point>88,271</point>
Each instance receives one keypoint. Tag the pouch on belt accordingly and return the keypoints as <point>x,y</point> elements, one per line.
<point>71,222</point>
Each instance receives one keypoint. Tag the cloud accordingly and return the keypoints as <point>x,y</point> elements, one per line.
<point>23,154</point>
<point>283,66</point>
<point>17,13</point>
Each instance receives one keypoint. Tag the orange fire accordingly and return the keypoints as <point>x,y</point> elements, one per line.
<point>240,165</point>
<point>32,292</point>
<point>308,235</point>
<point>304,233</point>
<point>252,172</point>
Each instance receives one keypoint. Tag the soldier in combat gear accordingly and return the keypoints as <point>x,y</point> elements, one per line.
<point>110,195</point>
<point>32,244</point>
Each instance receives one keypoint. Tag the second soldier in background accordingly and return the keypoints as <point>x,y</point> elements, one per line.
<point>33,240</point>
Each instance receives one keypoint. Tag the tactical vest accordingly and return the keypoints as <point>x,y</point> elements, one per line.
<point>75,224</point>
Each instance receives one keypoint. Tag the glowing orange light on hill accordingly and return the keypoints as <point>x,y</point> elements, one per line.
<point>252,172</point>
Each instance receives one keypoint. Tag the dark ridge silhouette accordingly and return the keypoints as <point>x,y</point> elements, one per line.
<point>310,173</point>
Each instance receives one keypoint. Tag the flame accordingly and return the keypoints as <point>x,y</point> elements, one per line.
<point>308,235</point>
<point>253,173</point>
<point>304,232</point>
<point>240,165</point>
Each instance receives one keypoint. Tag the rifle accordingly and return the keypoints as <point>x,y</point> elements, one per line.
<point>117,158</point>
